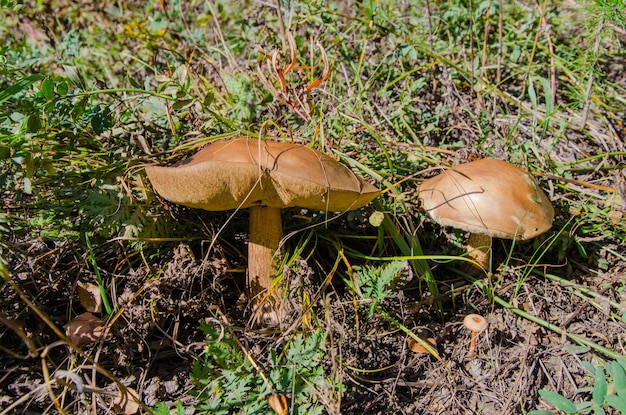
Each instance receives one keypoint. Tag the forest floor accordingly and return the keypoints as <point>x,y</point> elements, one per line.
<point>412,88</point>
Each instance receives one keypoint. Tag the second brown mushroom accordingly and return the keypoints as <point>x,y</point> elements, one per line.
<point>488,198</point>
<point>265,177</point>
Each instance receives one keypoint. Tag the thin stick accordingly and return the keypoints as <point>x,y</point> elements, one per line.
<point>546,28</point>
<point>281,22</point>
<point>242,347</point>
<point>596,47</point>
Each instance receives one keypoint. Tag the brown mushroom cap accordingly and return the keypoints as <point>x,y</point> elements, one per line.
<point>490,197</point>
<point>246,172</point>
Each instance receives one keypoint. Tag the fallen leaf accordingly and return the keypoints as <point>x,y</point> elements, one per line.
<point>278,402</point>
<point>84,329</point>
<point>89,296</point>
<point>416,347</point>
<point>127,402</point>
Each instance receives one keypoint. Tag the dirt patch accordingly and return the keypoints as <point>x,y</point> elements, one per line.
<point>155,338</point>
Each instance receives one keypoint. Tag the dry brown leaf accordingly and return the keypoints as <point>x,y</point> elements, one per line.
<point>84,329</point>
<point>127,402</point>
<point>89,296</point>
<point>278,402</point>
<point>416,347</point>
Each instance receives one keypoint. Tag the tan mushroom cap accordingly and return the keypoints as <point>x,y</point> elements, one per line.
<point>247,172</point>
<point>475,323</point>
<point>490,197</point>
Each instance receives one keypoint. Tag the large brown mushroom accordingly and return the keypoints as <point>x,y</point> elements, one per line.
<point>488,198</point>
<point>265,177</point>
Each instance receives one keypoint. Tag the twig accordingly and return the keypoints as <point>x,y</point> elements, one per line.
<point>242,347</point>
<point>596,47</point>
<point>578,182</point>
<point>19,330</point>
<point>545,27</point>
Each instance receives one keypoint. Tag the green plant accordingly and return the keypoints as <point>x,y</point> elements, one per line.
<point>228,382</point>
<point>376,283</point>
<point>608,391</point>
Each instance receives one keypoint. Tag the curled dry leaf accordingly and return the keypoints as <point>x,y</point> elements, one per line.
<point>89,296</point>
<point>84,329</point>
<point>127,402</point>
<point>278,402</point>
<point>416,347</point>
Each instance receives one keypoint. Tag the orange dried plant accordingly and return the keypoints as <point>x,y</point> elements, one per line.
<point>294,96</point>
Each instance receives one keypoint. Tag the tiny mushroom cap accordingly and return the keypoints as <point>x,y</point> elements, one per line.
<point>488,197</point>
<point>475,323</point>
<point>264,176</point>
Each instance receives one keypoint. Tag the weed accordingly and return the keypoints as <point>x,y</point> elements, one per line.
<point>376,283</point>
<point>608,391</point>
<point>227,381</point>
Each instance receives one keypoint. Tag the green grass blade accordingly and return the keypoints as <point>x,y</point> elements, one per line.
<point>94,263</point>
<point>20,85</point>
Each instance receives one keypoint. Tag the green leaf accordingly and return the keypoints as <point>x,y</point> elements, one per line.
<point>5,152</point>
<point>74,75</point>
<point>619,377</point>
<point>208,99</point>
<point>162,409</point>
<point>547,90</point>
<point>33,123</point>
<point>179,105</point>
<point>540,412</point>
<point>79,108</point>
<point>599,387</point>
<point>617,402</point>
<point>28,187</point>
<point>559,401</point>
<point>589,366</point>
<point>47,88</point>
<point>598,411</point>
<point>622,362</point>
<point>532,94</point>
<point>96,124</point>
<point>583,407</point>
<point>375,283</point>
<point>62,88</point>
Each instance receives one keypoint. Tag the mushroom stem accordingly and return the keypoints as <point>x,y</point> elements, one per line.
<point>479,249</point>
<point>471,352</point>
<point>266,231</point>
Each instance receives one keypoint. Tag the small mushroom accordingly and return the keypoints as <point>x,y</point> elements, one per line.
<point>476,324</point>
<point>488,198</point>
<point>265,177</point>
